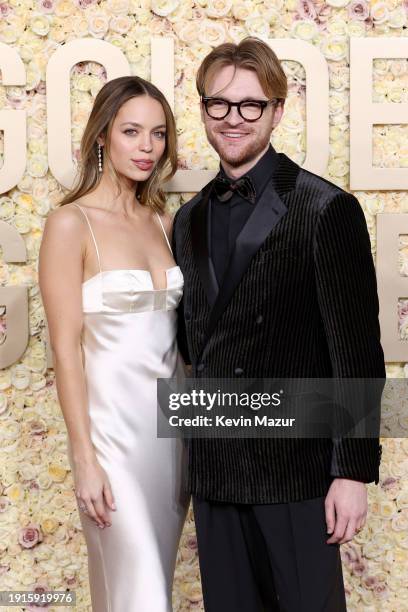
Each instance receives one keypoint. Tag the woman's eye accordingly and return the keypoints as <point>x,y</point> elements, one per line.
<point>130,130</point>
<point>161,135</point>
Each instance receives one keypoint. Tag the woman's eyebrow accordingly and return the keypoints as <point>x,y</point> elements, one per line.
<point>139,125</point>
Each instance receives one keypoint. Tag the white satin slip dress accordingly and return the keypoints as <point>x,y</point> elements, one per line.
<point>128,341</point>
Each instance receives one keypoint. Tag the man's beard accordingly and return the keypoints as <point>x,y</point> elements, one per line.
<point>241,156</point>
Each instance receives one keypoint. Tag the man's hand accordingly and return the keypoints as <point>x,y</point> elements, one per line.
<point>346,509</point>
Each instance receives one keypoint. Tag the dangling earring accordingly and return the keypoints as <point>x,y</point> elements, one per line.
<point>99,158</point>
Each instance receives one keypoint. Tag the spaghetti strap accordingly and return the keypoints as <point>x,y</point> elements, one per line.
<point>165,233</point>
<point>93,236</point>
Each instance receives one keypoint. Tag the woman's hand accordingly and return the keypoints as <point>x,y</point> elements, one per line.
<point>93,491</point>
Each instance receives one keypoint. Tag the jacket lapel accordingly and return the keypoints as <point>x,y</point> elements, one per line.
<point>268,211</point>
<point>200,238</point>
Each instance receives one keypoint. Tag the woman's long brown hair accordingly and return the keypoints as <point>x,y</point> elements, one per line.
<point>106,106</point>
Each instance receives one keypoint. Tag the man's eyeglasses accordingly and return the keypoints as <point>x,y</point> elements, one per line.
<point>249,110</point>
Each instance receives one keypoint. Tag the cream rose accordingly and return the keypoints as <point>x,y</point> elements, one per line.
<point>64,8</point>
<point>241,10</point>
<point>379,12</point>
<point>218,8</point>
<point>334,48</point>
<point>164,7</point>
<point>397,18</point>
<point>40,25</point>
<point>37,165</point>
<point>337,3</point>
<point>211,33</point>
<point>257,26</point>
<point>304,29</point>
<point>120,24</point>
<point>98,25</point>
<point>118,7</point>
<point>6,208</point>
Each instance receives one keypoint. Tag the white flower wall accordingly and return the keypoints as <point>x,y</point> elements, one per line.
<point>41,544</point>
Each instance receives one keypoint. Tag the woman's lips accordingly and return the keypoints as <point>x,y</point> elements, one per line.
<point>143,165</point>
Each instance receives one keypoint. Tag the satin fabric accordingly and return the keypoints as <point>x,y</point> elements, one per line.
<point>128,341</point>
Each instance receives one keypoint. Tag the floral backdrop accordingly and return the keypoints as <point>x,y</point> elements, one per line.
<point>41,544</point>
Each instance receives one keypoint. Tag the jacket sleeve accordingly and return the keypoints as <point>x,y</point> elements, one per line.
<point>348,301</point>
<point>181,323</point>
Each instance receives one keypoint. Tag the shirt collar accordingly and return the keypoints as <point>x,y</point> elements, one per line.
<point>261,172</point>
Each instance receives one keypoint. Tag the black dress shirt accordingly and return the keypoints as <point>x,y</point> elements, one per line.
<point>228,218</point>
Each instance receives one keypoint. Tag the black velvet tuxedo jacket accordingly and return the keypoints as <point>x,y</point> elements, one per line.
<point>299,300</point>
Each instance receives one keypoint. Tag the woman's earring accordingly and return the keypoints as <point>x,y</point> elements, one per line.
<point>99,157</point>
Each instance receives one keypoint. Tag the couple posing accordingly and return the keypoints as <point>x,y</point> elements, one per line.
<point>267,272</point>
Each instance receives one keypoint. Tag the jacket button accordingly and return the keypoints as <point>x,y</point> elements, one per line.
<point>259,319</point>
<point>200,367</point>
<point>238,371</point>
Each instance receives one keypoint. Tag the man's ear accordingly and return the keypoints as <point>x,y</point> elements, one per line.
<point>277,116</point>
<point>202,111</point>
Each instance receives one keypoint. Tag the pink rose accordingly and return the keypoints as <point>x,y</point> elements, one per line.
<point>46,6</point>
<point>381,591</point>
<point>5,9</point>
<point>83,4</point>
<point>38,588</point>
<point>4,503</point>
<point>359,568</point>
<point>307,10</point>
<point>359,10</point>
<point>30,536</point>
<point>389,483</point>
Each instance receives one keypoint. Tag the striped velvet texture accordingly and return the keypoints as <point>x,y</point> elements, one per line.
<point>302,303</point>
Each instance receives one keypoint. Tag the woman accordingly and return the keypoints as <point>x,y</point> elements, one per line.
<point>110,289</point>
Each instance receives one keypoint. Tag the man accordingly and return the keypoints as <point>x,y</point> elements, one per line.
<point>279,282</point>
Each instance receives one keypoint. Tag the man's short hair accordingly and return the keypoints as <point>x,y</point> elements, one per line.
<point>252,54</point>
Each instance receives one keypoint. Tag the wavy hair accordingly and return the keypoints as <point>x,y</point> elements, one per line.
<point>106,106</point>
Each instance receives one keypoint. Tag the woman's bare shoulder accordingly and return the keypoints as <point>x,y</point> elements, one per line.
<point>67,219</point>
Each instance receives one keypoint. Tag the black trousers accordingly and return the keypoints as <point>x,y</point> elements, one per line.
<point>267,557</point>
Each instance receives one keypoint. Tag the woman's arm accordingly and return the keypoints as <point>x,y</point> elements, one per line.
<point>61,257</point>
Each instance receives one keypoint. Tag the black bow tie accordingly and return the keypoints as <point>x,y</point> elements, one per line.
<point>225,188</point>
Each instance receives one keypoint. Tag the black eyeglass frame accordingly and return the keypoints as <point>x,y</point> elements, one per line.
<point>263,104</point>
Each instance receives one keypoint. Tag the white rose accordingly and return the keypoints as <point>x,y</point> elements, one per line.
<point>188,32</point>
<point>212,33</point>
<point>306,30</point>
<point>397,18</point>
<point>118,7</point>
<point>6,209</point>
<point>379,12</point>
<point>8,35</point>
<point>337,27</point>
<point>338,168</point>
<point>356,28</point>
<point>40,24</point>
<point>63,8</point>
<point>37,165</point>
<point>334,48</point>
<point>164,7</point>
<point>120,24</point>
<point>118,41</point>
<point>79,25</point>
<point>338,3</point>
<point>98,25</point>
<point>22,223</point>
<point>218,8</point>
<point>237,32</point>
<point>257,26</point>
<point>242,10</point>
